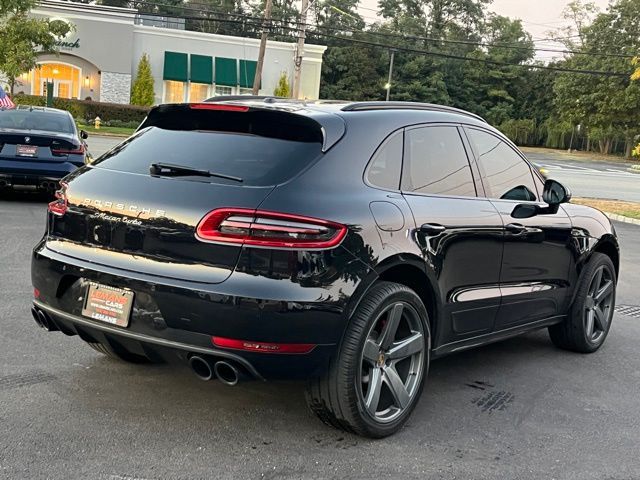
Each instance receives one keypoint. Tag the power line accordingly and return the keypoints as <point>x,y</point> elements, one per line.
<point>406,37</point>
<point>400,48</point>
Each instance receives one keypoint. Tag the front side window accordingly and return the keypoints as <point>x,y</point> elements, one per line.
<point>173,91</point>
<point>506,175</point>
<point>436,163</point>
<point>384,168</point>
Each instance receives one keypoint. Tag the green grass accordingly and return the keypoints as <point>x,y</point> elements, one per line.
<point>120,131</point>
<point>628,209</point>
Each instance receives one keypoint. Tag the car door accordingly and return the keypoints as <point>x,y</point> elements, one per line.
<point>537,256</point>
<point>458,231</point>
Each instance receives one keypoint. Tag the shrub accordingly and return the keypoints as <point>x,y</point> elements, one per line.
<point>87,110</point>
<point>283,90</point>
<point>142,90</point>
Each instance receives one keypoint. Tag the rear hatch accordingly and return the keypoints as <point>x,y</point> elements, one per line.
<point>137,207</point>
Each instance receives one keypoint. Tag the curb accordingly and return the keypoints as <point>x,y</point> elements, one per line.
<point>633,170</point>
<point>622,218</point>
<point>115,135</point>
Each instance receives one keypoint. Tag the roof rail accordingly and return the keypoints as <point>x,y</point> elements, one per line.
<point>367,106</point>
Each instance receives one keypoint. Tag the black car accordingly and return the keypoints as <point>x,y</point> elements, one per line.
<point>38,147</point>
<point>345,243</point>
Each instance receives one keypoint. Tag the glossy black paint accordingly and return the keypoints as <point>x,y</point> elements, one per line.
<point>482,274</point>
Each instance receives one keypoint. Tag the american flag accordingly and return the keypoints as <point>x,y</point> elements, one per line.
<point>5,101</point>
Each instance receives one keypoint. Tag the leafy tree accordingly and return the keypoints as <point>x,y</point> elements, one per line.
<point>22,38</point>
<point>114,3</point>
<point>202,19</point>
<point>607,104</point>
<point>283,89</point>
<point>142,90</point>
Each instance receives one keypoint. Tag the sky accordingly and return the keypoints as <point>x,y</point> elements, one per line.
<point>539,17</point>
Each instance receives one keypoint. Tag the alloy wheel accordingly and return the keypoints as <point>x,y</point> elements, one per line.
<point>392,362</point>
<point>599,303</point>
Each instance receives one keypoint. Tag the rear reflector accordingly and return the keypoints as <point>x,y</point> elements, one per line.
<point>59,205</point>
<point>269,229</point>
<point>219,107</point>
<point>262,347</point>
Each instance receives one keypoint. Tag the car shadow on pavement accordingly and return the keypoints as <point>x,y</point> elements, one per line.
<point>138,394</point>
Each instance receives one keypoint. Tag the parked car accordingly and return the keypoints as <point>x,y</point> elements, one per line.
<point>349,244</point>
<point>38,147</point>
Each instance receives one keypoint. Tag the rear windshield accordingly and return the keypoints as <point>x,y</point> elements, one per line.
<point>258,159</point>
<point>35,120</point>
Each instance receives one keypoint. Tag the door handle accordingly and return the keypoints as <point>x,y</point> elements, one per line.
<point>515,228</point>
<point>432,229</point>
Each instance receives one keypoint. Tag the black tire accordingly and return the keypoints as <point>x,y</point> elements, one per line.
<point>577,333</point>
<point>122,356</point>
<point>337,397</point>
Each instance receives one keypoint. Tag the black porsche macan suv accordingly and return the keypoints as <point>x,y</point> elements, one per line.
<point>346,243</point>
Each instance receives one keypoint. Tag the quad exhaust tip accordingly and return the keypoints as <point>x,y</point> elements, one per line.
<point>206,369</point>
<point>44,320</point>
<point>201,367</point>
<point>226,373</point>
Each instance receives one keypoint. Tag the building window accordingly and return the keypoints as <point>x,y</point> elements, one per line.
<point>222,90</point>
<point>65,79</point>
<point>246,91</point>
<point>173,91</point>
<point>198,92</point>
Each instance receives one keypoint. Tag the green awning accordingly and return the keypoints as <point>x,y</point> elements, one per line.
<point>176,66</point>
<point>247,72</point>
<point>201,69</point>
<point>226,71</point>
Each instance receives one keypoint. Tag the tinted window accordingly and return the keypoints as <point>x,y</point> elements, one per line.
<point>436,163</point>
<point>384,169</point>
<point>36,120</point>
<point>507,175</point>
<point>258,160</point>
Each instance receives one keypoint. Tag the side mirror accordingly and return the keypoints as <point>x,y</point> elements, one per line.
<point>84,135</point>
<point>555,193</point>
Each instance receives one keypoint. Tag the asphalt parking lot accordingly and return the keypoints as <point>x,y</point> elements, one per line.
<point>518,409</point>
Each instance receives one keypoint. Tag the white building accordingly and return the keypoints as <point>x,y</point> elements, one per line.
<point>99,59</point>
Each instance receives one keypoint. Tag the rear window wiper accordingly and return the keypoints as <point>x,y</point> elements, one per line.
<point>171,170</point>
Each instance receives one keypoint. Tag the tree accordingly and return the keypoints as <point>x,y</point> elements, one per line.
<point>142,90</point>
<point>283,89</point>
<point>22,38</point>
<point>607,104</point>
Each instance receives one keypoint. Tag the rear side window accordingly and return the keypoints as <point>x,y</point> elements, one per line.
<point>435,162</point>
<point>386,164</point>
<point>36,120</point>
<point>506,175</point>
<point>261,150</point>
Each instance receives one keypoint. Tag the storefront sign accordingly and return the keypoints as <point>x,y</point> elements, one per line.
<point>68,45</point>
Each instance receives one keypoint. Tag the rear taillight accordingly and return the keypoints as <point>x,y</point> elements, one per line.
<point>59,205</point>
<point>68,151</point>
<point>269,229</point>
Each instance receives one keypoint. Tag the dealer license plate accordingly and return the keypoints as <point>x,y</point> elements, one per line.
<point>108,304</point>
<point>27,150</point>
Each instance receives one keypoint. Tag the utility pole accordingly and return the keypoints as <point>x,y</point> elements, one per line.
<point>266,23</point>
<point>297,63</point>
<point>388,85</point>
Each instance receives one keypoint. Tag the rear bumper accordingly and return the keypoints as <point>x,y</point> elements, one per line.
<point>15,173</point>
<point>173,317</point>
